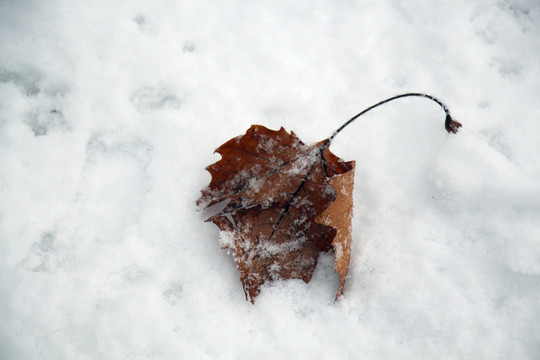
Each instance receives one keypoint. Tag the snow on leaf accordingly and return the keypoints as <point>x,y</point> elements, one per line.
<point>276,222</point>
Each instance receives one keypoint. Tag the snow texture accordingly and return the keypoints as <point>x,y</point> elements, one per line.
<point>110,111</point>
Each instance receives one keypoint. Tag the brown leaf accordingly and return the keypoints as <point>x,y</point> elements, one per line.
<point>277,220</point>
<point>284,202</point>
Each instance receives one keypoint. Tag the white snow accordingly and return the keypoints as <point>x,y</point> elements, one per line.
<point>111,110</point>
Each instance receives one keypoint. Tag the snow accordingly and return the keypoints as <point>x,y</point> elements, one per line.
<point>110,111</point>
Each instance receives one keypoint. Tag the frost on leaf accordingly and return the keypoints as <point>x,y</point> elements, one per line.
<point>287,203</point>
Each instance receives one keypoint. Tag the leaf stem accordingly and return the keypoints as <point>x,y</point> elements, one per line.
<point>450,125</point>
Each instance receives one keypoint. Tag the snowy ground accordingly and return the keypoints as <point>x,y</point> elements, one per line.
<point>110,111</point>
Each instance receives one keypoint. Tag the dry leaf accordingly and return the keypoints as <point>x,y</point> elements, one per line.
<point>285,202</point>
<point>277,220</point>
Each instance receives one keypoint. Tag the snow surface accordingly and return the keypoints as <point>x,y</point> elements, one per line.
<point>110,111</point>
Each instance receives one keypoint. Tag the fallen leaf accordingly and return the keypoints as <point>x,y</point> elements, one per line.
<point>284,202</point>
<point>277,220</point>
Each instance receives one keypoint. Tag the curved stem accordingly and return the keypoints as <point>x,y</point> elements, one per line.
<point>449,124</point>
